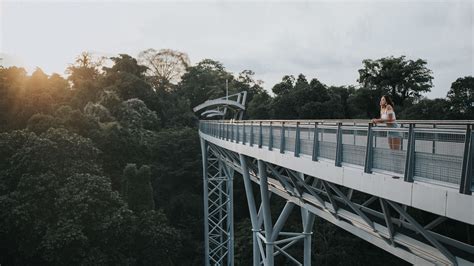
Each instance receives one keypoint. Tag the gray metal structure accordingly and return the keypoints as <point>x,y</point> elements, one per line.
<point>235,102</point>
<point>325,167</point>
<point>217,186</point>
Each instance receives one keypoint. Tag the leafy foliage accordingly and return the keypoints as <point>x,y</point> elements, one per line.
<point>69,146</point>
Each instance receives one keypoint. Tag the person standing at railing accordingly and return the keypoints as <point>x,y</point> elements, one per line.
<point>387,116</point>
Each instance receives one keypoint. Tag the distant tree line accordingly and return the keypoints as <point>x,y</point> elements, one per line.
<point>103,166</point>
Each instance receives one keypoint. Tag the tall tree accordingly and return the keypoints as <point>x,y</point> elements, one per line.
<point>400,77</point>
<point>205,81</point>
<point>165,66</point>
<point>84,75</point>
<point>461,97</point>
<point>137,188</point>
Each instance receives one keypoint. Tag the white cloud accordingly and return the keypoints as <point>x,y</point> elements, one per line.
<point>327,40</point>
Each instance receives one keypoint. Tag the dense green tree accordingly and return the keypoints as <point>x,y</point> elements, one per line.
<point>399,77</point>
<point>124,63</point>
<point>85,77</point>
<point>137,188</point>
<point>67,220</point>
<point>176,111</point>
<point>171,169</point>
<point>99,112</point>
<point>259,107</point>
<point>51,152</point>
<point>81,139</point>
<point>461,97</point>
<point>205,81</point>
<point>155,242</point>
<point>37,82</point>
<point>285,86</point>
<point>12,81</point>
<point>427,109</point>
<point>134,113</point>
<point>40,123</point>
<point>126,78</point>
<point>365,102</point>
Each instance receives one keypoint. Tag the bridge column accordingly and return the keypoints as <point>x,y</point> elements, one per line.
<point>308,220</point>
<point>204,148</point>
<point>252,209</point>
<point>267,218</point>
<point>218,208</point>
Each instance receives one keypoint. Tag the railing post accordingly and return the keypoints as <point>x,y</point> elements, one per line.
<point>282,139</point>
<point>410,157</point>
<point>232,132</point>
<point>339,145</point>
<point>251,134</point>
<point>222,131</point>
<point>270,141</point>
<point>466,178</point>
<point>315,142</point>
<point>260,135</point>
<point>226,131</point>
<point>369,151</point>
<point>244,137</point>
<point>237,138</point>
<point>297,140</point>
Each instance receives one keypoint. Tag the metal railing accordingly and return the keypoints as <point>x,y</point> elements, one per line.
<point>427,151</point>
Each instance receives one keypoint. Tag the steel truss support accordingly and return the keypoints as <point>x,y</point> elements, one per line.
<point>270,241</point>
<point>218,209</point>
<point>387,225</point>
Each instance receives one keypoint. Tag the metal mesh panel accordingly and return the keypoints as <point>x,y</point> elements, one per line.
<point>224,131</point>
<point>233,132</point>
<point>248,128</point>
<point>290,138</point>
<point>327,143</point>
<point>276,136</point>
<point>306,140</point>
<point>327,150</point>
<point>438,167</point>
<point>384,157</point>
<point>380,139</point>
<point>240,129</point>
<point>354,144</point>
<point>390,160</point>
<point>439,156</point>
<point>265,135</point>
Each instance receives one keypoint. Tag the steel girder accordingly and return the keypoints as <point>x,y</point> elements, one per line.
<point>218,209</point>
<point>379,221</point>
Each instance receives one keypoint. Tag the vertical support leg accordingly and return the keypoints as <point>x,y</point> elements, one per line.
<point>204,150</point>
<point>308,221</point>
<point>229,172</point>
<point>252,209</point>
<point>267,218</point>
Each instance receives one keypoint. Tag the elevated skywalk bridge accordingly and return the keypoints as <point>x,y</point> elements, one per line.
<point>326,167</point>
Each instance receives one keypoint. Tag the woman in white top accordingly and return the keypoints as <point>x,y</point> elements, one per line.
<point>387,115</point>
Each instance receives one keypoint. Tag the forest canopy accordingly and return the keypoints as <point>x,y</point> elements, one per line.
<point>102,166</point>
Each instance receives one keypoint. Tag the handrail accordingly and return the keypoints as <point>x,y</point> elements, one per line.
<point>350,121</point>
<point>422,144</point>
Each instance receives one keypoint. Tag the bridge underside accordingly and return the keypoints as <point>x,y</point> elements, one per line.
<point>382,222</point>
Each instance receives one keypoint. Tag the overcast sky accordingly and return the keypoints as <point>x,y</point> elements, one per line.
<point>322,39</point>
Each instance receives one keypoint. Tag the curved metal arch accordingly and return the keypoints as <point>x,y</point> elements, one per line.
<point>218,102</point>
<point>212,113</point>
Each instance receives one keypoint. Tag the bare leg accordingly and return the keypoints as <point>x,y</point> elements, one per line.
<point>390,142</point>
<point>396,143</point>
